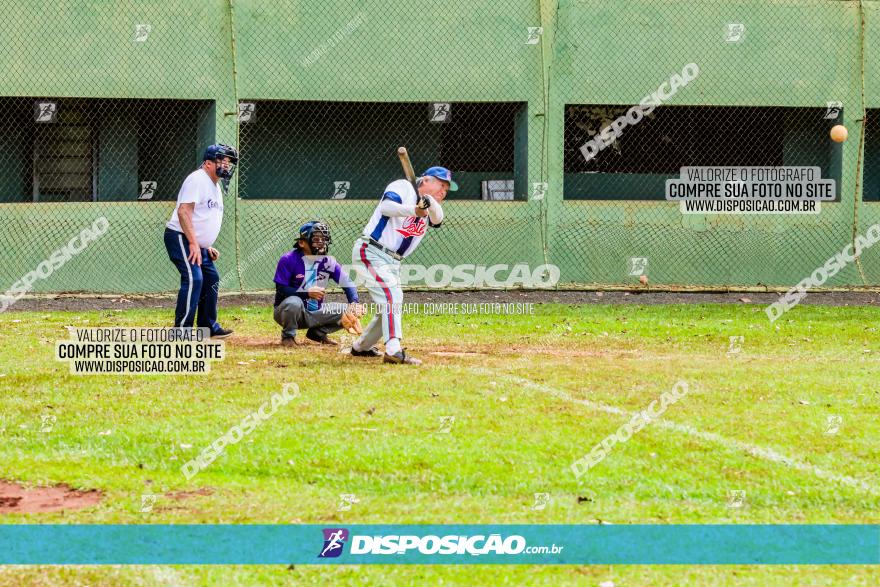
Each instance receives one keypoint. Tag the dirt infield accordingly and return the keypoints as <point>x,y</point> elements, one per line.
<point>15,498</point>
<point>87,302</point>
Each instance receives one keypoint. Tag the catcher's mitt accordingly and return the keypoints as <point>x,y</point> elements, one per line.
<point>352,323</point>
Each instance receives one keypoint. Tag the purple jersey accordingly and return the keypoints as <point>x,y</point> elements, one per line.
<point>297,273</point>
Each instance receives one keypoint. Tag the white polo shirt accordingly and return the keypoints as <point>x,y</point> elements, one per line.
<point>207,216</point>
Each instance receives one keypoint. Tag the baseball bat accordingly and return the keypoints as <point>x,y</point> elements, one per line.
<point>407,166</point>
<point>411,176</point>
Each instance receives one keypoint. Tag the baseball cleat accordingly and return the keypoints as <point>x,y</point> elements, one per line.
<point>288,341</point>
<point>221,333</point>
<point>372,352</point>
<point>400,357</point>
<point>321,339</point>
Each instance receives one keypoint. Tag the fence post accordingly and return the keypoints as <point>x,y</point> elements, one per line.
<point>550,142</point>
<point>233,184</point>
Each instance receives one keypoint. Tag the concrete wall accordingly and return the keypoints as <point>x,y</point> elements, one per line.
<point>797,53</point>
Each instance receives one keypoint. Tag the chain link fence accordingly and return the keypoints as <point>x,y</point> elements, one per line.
<point>530,104</point>
<point>90,150</point>
<point>726,84</point>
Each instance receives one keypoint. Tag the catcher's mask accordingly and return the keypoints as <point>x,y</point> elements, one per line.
<point>317,234</point>
<point>216,153</point>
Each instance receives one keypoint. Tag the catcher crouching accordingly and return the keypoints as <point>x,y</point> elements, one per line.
<point>300,285</point>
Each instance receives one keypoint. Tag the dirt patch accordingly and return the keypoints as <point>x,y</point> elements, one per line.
<point>17,499</point>
<point>91,302</point>
<point>181,495</point>
<point>254,342</point>
<point>275,342</point>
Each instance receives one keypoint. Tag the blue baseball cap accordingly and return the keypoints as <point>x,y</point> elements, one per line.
<point>442,173</point>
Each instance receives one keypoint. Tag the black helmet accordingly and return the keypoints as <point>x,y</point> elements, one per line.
<point>308,231</point>
<point>217,153</point>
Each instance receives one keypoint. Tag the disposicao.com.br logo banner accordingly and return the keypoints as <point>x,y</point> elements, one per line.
<point>276,544</point>
<point>433,544</point>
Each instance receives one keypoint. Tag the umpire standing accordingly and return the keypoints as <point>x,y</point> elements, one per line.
<point>189,237</point>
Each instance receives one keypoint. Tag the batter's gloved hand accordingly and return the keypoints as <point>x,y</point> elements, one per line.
<point>351,323</point>
<point>423,203</point>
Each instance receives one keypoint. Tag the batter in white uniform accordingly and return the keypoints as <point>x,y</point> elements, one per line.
<point>395,230</point>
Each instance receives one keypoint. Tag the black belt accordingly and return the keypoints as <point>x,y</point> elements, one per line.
<point>384,249</point>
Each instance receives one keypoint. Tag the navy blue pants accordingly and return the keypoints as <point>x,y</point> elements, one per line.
<point>198,285</point>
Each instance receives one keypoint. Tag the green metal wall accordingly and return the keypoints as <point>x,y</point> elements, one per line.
<point>797,53</point>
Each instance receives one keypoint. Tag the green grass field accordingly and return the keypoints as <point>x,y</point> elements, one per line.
<point>529,395</point>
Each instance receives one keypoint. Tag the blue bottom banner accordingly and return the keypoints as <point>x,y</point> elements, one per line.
<point>64,544</point>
